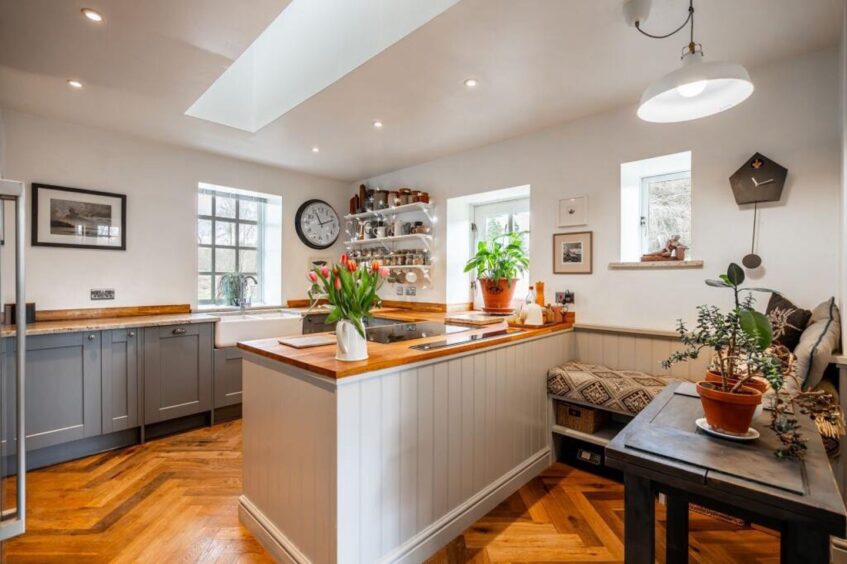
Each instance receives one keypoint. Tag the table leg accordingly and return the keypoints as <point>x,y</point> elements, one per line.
<point>639,520</point>
<point>677,530</point>
<point>803,544</point>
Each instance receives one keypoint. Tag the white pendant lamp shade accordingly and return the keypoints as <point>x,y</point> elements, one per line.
<point>695,90</point>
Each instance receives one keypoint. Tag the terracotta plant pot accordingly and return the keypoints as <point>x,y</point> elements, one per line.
<point>728,412</point>
<point>756,382</point>
<point>497,297</point>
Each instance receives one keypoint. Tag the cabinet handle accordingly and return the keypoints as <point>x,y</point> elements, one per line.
<point>179,331</point>
<point>91,337</point>
<point>131,333</point>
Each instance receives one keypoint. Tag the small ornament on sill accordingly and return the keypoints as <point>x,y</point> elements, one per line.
<point>673,250</point>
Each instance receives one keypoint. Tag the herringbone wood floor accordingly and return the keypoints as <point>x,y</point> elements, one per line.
<point>175,499</point>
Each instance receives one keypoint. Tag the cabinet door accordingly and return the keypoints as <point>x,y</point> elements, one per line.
<point>227,376</point>
<point>177,371</point>
<point>62,388</point>
<point>120,379</point>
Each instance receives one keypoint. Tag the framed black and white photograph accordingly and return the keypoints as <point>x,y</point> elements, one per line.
<point>78,218</point>
<point>572,253</point>
<point>573,211</point>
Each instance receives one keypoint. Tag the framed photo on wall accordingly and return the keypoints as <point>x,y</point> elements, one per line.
<point>573,253</point>
<point>573,211</point>
<point>78,218</point>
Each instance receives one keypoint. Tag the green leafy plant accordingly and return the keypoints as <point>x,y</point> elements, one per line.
<point>740,339</point>
<point>228,288</point>
<point>495,260</point>
<point>349,288</point>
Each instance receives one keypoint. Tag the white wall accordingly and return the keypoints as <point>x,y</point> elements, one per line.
<point>791,118</point>
<point>160,181</point>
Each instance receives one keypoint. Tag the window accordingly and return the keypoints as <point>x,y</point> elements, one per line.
<point>499,218</point>
<point>655,204</point>
<point>232,235</point>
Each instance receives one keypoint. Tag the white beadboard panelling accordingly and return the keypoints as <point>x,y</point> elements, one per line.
<point>349,471</point>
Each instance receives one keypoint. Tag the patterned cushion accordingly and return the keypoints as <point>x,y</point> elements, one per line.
<point>623,391</point>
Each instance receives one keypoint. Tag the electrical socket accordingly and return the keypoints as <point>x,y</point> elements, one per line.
<point>103,294</point>
<point>411,290</point>
<point>564,298</point>
<point>399,290</point>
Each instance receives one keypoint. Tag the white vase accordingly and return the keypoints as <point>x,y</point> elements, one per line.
<point>350,345</point>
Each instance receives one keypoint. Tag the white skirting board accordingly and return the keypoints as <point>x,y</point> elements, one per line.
<point>433,538</point>
<point>280,548</point>
<point>424,544</point>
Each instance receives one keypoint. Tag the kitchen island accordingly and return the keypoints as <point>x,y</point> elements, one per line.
<point>388,459</point>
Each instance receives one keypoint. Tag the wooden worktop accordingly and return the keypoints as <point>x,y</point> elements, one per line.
<point>102,324</point>
<point>321,360</point>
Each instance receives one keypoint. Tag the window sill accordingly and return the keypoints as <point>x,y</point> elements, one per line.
<point>212,308</point>
<point>656,265</point>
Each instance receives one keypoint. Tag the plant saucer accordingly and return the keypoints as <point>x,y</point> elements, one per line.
<point>751,434</point>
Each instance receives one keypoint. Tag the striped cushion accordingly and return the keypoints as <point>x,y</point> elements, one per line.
<point>621,391</point>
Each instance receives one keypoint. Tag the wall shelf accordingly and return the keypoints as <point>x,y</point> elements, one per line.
<point>397,210</point>
<point>385,241</point>
<point>656,265</point>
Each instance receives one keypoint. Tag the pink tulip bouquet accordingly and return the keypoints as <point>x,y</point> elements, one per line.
<point>350,289</point>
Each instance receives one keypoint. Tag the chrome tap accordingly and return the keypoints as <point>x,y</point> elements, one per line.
<point>243,296</point>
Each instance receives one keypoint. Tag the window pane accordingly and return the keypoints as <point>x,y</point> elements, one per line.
<point>204,231</point>
<point>247,261</point>
<point>224,260</point>
<point>204,287</point>
<point>249,210</point>
<point>224,206</point>
<point>204,204</point>
<point>225,233</point>
<point>247,235</point>
<point>218,296</point>
<point>668,212</point>
<point>496,226</point>
<point>204,259</point>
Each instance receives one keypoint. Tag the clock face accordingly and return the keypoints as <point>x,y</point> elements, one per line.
<point>317,224</point>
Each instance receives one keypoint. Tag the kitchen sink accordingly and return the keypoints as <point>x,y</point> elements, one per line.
<point>234,327</point>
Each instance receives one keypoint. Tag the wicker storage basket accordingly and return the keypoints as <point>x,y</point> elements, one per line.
<point>580,418</point>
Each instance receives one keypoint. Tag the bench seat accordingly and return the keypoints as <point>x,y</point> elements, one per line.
<point>620,391</point>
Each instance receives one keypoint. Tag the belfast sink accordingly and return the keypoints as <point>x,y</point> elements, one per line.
<point>234,327</point>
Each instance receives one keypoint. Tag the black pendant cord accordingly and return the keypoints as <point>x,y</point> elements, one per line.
<point>690,18</point>
<point>755,220</point>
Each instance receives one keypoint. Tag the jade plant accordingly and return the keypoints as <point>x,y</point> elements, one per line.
<point>740,338</point>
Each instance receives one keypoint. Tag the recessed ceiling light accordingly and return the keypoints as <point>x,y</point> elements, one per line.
<point>377,124</point>
<point>92,15</point>
<point>471,83</point>
<point>75,84</point>
<point>316,149</point>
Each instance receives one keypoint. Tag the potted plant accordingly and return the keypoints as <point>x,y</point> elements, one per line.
<point>498,263</point>
<point>741,344</point>
<point>351,292</point>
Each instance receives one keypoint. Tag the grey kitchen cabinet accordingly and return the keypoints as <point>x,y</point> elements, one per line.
<point>178,368</point>
<point>227,376</point>
<point>120,379</point>
<point>63,388</point>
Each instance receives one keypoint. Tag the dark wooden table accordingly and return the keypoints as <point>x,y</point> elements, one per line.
<point>662,451</point>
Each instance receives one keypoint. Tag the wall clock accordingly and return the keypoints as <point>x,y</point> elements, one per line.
<point>317,224</point>
<point>758,180</point>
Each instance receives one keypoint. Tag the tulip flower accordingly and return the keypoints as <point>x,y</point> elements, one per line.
<point>337,283</point>
<point>384,271</point>
<point>351,265</point>
<point>344,259</point>
<point>312,276</point>
<point>375,266</point>
<point>325,271</point>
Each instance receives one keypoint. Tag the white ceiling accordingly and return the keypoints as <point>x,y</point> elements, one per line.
<point>539,62</point>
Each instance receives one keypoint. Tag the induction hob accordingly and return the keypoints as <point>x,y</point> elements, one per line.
<point>410,331</point>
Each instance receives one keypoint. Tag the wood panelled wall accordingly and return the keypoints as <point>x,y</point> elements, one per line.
<point>628,350</point>
<point>417,445</point>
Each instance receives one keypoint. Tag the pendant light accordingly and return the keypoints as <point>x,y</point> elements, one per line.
<point>697,89</point>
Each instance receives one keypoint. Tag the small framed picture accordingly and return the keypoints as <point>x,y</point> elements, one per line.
<point>77,218</point>
<point>573,211</point>
<point>572,253</point>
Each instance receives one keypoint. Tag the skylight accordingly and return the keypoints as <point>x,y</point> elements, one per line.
<point>309,46</point>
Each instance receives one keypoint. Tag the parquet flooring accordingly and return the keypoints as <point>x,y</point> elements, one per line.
<point>175,500</point>
<point>566,515</point>
<point>170,500</point>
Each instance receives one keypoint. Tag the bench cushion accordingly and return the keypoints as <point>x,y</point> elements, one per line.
<point>622,391</point>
